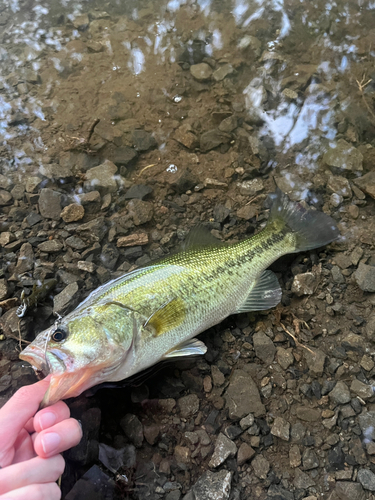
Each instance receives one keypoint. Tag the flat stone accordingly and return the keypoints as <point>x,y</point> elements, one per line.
<point>3,289</point>
<point>310,459</point>
<point>88,267</point>
<point>346,490</point>
<point>66,299</point>
<point>133,240</point>
<point>362,390</point>
<point>50,204</point>
<point>367,479</point>
<point>340,394</point>
<point>133,429</point>
<point>5,182</point>
<point>213,486</point>
<point>212,139</point>
<point>247,421</point>
<point>201,71</point>
<point>143,141</point>
<point>50,246</point>
<point>284,357</point>
<point>339,185</point>
<point>365,277</point>
<point>251,187</point>
<point>229,124</point>
<point>302,481</point>
<point>260,466</point>
<point>242,396</point>
<point>188,405</point>
<point>185,136</point>
<point>102,178</point>
<point>247,212</point>
<point>32,184</point>
<point>124,155</point>
<point>245,453</point>
<point>293,185</point>
<point>366,183</point>
<point>76,243</point>
<point>56,171</point>
<point>281,429</point>
<point>224,448</point>
<point>18,192</point>
<point>6,237</point>
<point>223,71</point>
<point>5,198</point>
<point>294,456</point>
<point>26,259</point>
<point>308,414</point>
<point>141,211</point>
<point>72,212</point>
<point>315,361</point>
<point>343,157</point>
<point>264,347</point>
<point>138,191</point>
<point>304,284</point>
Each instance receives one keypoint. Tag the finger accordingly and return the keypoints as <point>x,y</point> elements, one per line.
<point>48,491</point>
<point>35,471</point>
<point>29,426</point>
<point>23,446</point>
<point>50,416</point>
<point>15,414</point>
<point>58,438</point>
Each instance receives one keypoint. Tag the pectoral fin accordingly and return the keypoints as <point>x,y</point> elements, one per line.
<point>191,347</point>
<point>266,293</point>
<point>168,316</point>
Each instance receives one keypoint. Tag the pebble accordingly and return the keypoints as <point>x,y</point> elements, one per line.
<point>212,139</point>
<point>213,486</point>
<point>217,376</point>
<point>88,267</point>
<point>26,259</point>
<point>346,490</point>
<point>50,204</point>
<point>133,429</point>
<point>315,361</point>
<point>5,198</point>
<point>66,299</point>
<point>367,363</point>
<point>353,211</point>
<point>294,456</point>
<point>308,414</point>
<point>260,466</point>
<point>32,184</point>
<point>365,277</point>
<point>219,74</point>
<point>367,479</point>
<point>340,394</point>
<point>138,191</point>
<point>4,290</point>
<point>251,187</point>
<point>224,448</point>
<point>244,454</point>
<point>302,481</point>
<point>6,237</point>
<point>242,396</point>
<point>367,183</point>
<point>50,246</point>
<point>143,140</point>
<point>72,213</point>
<point>247,212</point>
<point>344,157</point>
<point>309,459</point>
<point>281,429</point>
<point>133,240</point>
<point>141,211</point>
<point>264,347</point>
<point>188,405</point>
<point>201,71</point>
<point>186,137</point>
<point>304,284</point>
<point>285,357</point>
<point>339,185</point>
<point>247,421</point>
<point>364,391</point>
<point>336,200</point>
<point>101,178</point>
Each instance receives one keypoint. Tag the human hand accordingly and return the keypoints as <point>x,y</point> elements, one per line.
<point>31,442</point>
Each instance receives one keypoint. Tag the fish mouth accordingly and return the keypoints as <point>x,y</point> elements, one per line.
<point>37,359</point>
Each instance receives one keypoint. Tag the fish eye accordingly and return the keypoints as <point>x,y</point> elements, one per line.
<point>59,335</point>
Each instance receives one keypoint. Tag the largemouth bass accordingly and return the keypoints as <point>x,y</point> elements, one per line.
<point>155,312</point>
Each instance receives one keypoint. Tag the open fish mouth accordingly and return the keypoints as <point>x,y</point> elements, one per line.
<point>37,359</point>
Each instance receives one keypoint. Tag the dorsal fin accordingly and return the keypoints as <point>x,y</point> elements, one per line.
<point>199,237</point>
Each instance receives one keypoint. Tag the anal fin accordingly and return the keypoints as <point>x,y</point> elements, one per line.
<point>191,347</point>
<point>266,293</point>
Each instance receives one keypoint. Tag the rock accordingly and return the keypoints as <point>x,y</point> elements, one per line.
<point>92,485</point>
<point>5,182</point>
<point>50,204</point>
<point>220,73</point>
<point>114,459</point>
<point>242,396</point>
<point>124,155</point>
<point>151,433</point>
<point>213,486</point>
<point>315,361</point>
<point>344,157</point>
<point>88,267</point>
<point>143,141</point>
<point>50,246</point>
<point>138,191</point>
<point>133,429</point>
<point>224,448</point>
<point>6,237</point>
<point>93,231</point>
<point>260,466</point>
<point>33,218</point>
<point>366,183</point>
<point>364,391</point>
<point>3,289</point>
<point>109,256</point>
<point>5,198</point>
<point>281,428</point>
<point>290,94</point>
<point>367,479</point>
<point>310,459</point>
<point>18,192</point>
<point>81,22</point>
<point>188,405</point>
<point>245,453</point>
<point>90,201</point>
<point>76,243</point>
<point>285,357</point>
<point>304,284</point>
<point>247,421</point>
<point>25,260</point>
<point>264,347</point>
<point>72,212</point>
<point>228,124</point>
<point>217,376</point>
<point>365,277</point>
<point>339,185</point>
<point>212,139</point>
<point>201,71</point>
<point>367,363</point>
<point>66,299</point>
<point>251,187</point>
<point>346,490</point>
<point>293,185</point>
<point>302,481</point>
<point>214,184</point>
<point>221,213</point>
<point>308,414</point>
<point>56,171</point>
<point>247,212</point>
<point>336,200</point>
<point>141,211</point>
<point>353,211</point>
<point>32,184</point>
<point>182,455</point>
<point>133,240</point>
<point>102,178</point>
<point>294,456</point>
<point>182,180</point>
<point>340,394</point>
<point>186,137</point>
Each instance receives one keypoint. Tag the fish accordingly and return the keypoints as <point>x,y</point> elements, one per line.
<point>155,312</point>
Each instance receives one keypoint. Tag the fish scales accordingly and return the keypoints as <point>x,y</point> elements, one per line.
<point>154,312</point>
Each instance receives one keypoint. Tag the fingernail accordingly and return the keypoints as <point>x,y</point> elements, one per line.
<point>47,420</point>
<point>50,442</point>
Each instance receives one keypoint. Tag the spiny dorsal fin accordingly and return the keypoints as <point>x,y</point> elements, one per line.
<point>191,347</point>
<point>266,293</point>
<point>168,316</point>
<point>199,237</point>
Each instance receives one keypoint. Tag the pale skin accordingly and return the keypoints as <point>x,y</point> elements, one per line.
<point>31,443</point>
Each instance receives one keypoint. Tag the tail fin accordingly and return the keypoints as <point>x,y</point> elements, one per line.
<point>313,229</point>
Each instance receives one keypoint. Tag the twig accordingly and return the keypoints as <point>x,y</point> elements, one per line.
<point>361,86</point>
<point>145,168</point>
<point>298,343</point>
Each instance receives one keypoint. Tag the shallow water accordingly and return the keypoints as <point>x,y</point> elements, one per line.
<point>210,104</point>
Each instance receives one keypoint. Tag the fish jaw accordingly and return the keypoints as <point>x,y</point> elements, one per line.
<point>36,357</point>
<point>68,385</point>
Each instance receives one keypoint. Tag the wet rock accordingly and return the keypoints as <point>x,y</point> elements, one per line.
<point>353,211</point>
<point>50,204</point>
<point>365,277</point>
<point>336,458</point>
<point>109,256</point>
<point>212,139</point>
<point>5,198</point>
<point>25,260</point>
<point>281,428</point>
<point>88,267</point>
<point>201,71</point>
<point>138,191</point>
<point>304,284</point>
<point>72,212</point>
<point>251,187</point>
<point>228,124</point>
<point>224,448</point>
<point>339,185</point>
<point>133,240</point>
<point>66,300</point>
<point>345,490</point>
<point>186,137</point>
<point>188,405</point>
<point>367,479</point>
<point>217,376</point>
<point>143,141</point>
<point>102,178</point>
<point>310,459</point>
<point>242,396</point>
<point>5,182</point>
<point>182,180</point>
<point>133,429</point>
<point>94,484</point>
<point>336,200</point>
<point>367,363</point>
<point>264,347</point>
<point>315,361</point>
<point>247,212</point>
<point>340,394</point>
<point>344,157</point>
<point>81,22</point>
<point>260,466</point>
<point>141,211</point>
<point>293,185</point>
<point>362,390</point>
<point>308,414</point>
<point>114,459</point>
<point>245,453</point>
<point>3,289</point>
<point>220,73</point>
<point>123,156</point>
<point>33,218</point>
<point>213,486</point>
<point>151,433</point>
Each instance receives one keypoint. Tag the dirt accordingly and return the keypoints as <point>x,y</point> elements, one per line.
<point>121,128</point>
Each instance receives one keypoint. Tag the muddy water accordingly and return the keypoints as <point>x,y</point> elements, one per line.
<point>194,112</point>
